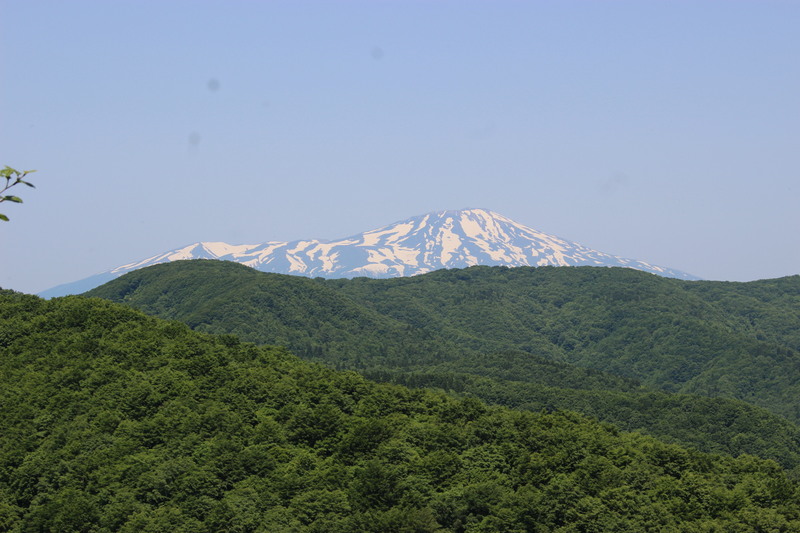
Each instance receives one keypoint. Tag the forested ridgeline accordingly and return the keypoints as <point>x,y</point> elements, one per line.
<point>770,306</point>
<point>734,340</point>
<point>709,424</point>
<point>111,420</point>
<point>508,335</point>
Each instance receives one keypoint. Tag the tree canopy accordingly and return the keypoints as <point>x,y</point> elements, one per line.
<point>676,360</point>
<point>111,420</point>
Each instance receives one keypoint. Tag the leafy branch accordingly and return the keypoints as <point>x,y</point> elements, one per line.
<point>13,177</point>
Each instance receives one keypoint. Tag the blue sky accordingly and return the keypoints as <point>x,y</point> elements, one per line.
<point>667,132</point>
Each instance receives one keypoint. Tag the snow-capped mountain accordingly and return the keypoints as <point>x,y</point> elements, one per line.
<point>445,239</point>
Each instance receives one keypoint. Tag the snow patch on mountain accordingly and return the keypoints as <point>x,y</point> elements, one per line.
<point>444,239</point>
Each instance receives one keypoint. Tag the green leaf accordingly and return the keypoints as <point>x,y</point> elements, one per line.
<point>3,217</point>
<point>15,199</point>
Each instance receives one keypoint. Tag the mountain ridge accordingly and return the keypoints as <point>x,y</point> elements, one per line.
<point>532,338</point>
<point>115,421</point>
<point>417,245</point>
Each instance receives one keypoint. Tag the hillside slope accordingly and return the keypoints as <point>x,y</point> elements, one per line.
<point>114,421</point>
<point>503,335</point>
<point>770,306</point>
<point>660,331</point>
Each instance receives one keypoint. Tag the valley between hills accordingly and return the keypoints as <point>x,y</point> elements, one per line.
<point>207,396</point>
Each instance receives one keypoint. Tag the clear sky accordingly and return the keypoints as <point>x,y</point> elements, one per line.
<point>665,131</point>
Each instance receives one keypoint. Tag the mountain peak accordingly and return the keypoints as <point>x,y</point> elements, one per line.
<point>436,240</point>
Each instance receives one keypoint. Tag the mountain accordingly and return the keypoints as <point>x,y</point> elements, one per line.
<point>444,239</point>
<point>673,359</point>
<point>114,421</point>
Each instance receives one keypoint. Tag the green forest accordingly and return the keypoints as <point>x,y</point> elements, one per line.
<point>709,365</point>
<point>113,420</point>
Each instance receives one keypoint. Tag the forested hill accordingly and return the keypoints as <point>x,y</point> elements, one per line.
<point>716,339</point>
<point>514,336</point>
<point>770,306</point>
<point>111,420</point>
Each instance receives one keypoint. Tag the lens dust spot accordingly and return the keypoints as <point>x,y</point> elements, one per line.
<point>376,53</point>
<point>614,183</point>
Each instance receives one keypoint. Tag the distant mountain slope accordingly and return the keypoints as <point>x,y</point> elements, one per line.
<point>506,335</point>
<point>770,306</point>
<point>445,239</point>
<point>277,309</point>
<point>114,421</point>
<point>660,331</point>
